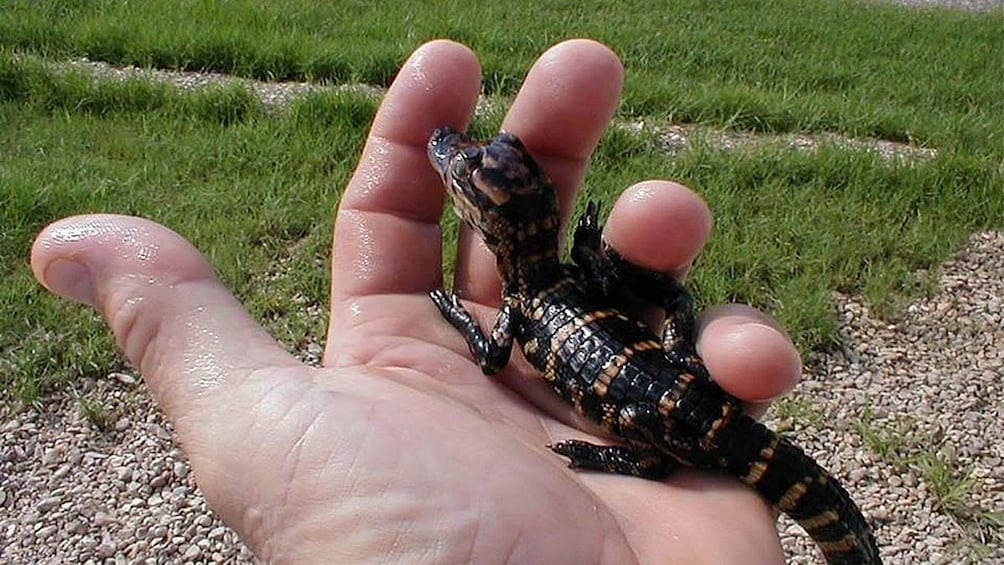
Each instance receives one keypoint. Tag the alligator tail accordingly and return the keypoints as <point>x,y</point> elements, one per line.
<point>795,484</point>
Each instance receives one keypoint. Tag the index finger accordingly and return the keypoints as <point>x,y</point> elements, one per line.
<point>387,237</point>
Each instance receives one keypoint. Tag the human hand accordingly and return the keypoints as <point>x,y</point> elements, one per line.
<point>399,449</point>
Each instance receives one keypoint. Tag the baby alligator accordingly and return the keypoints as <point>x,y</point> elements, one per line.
<point>656,395</point>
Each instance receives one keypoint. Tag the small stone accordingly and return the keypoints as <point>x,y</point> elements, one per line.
<point>47,504</point>
<point>106,549</point>
<point>204,521</point>
<point>101,519</point>
<point>46,532</point>
<point>159,432</point>
<point>122,424</point>
<point>52,456</point>
<point>192,553</point>
<point>880,514</point>
<point>124,378</point>
<point>180,470</point>
<point>856,475</point>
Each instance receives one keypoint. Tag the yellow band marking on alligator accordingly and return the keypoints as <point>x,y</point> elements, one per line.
<point>609,372</point>
<point>668,401</point>
<point>572,326</point>
<point>819,520</point>
<point>602,382</point>
<point>759,467</point>
<point>791,496</point>
<point>846,543</point>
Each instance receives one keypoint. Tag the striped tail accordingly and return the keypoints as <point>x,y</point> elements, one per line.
<point>795,484</point>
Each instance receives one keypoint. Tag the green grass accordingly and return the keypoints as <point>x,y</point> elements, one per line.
<point>210,166</point>
<point>94,409</point>
<point>933,76</point>
<point>255,190</point>
<point>795,410</point>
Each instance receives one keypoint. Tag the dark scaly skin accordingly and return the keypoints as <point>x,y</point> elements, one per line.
<point>653,393</point>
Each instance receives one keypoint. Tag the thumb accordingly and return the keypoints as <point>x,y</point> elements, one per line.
<point>186,333</point>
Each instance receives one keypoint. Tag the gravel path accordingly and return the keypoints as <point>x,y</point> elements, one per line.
<point>72,493</point>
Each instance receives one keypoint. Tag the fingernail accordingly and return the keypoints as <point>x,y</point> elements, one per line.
<point>70,279</point>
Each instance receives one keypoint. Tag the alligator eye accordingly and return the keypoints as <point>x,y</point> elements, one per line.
<point>464,161</point>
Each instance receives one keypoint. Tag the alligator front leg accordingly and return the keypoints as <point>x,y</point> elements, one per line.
<point>493,352</point>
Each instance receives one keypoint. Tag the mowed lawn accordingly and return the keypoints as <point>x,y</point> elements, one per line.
<point>256,189</point>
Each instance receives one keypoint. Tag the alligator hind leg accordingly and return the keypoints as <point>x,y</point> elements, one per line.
<point>619,459</point>
<point>638,423</point>
<point>588,251</point>
<point>606,269</point>
<point>660,289</point>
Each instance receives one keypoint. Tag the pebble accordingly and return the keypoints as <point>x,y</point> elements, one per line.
<point>101,519</point>
<point>124,378</point>
<point>47,504</point>
<point>51,456</point>
<point>857,474</point>
<point>192,553</point>
<point>180,470</point>
<point>203,520</point>
<point>106,549</point>
<point>46,532</point>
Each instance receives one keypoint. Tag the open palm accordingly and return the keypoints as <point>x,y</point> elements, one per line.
<point>399,449</point>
